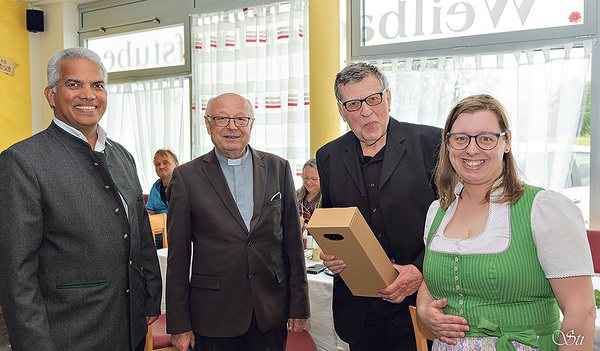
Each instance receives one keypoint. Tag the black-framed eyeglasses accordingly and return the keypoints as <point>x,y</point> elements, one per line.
<point>356,104</point>
<point>313,179</point>
<point>224,121</point>
<point>485,141</point>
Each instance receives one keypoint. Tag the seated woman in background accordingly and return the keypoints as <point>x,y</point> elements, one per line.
<point>309,194</point>
<point>501,256</point>
<point>165,162</point>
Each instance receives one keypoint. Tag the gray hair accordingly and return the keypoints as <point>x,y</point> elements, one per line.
<point>355,73</point>
<point>76,52</point>
<point>312,162</point>
<point>248,106</point>
<point>301,193</point>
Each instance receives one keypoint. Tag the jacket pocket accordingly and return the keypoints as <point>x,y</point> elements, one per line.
<point>281,275</point>
<point>82,285</point>
<point>205,282</point>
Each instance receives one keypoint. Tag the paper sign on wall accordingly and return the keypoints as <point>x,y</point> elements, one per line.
<point>7,66</point>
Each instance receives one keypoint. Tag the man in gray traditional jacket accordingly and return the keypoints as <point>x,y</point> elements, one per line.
<point>78,266</point>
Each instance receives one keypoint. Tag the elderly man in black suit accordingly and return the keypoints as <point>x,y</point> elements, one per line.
<point>78,266</point>
<point>236,206</point>
<point>385,168</point>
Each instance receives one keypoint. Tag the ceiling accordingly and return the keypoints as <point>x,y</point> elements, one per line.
<point>48,2</point>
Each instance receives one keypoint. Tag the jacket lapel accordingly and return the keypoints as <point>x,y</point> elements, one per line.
<point>351,162</point>
<point>259,168</point>
<point>214,173</point>
<point>393,151</point>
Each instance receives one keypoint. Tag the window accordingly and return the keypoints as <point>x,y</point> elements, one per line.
<point>152,48</point>
<point>435,53</point>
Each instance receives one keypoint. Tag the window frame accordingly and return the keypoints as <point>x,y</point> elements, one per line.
<point>471,44</point>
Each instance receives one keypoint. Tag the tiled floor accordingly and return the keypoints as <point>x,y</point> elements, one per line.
<point>3,335</point>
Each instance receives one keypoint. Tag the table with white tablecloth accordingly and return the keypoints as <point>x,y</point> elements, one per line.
<point>320,325</point>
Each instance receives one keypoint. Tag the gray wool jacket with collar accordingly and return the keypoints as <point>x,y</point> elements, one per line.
<point>75,272</point>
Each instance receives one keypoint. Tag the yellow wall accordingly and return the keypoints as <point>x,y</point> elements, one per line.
<point>15,91</point>
<point>324,59</point>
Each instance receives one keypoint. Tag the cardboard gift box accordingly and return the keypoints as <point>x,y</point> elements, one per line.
<point>344,233</point>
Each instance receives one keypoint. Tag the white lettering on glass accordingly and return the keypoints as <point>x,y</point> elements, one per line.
<point>397,21</point>
<point>163,47</point>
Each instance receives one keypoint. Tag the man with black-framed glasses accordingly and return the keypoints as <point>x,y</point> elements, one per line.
<point>237,207</point>
<point>383,167</point>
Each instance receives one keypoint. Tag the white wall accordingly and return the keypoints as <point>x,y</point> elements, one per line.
<point>60,31</point>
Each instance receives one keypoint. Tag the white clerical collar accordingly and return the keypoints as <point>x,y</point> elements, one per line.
<point>233,161</point>
<point>100,143</point>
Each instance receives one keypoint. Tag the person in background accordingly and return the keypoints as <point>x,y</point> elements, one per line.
<point>309,194</point>
<point>501,256</point>
<point>384,167</point>
<point>78,266</point>
<point>234,211</point>
<point>165,162</point>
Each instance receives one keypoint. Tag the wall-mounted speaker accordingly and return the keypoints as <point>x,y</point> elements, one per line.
<point>35,20</point>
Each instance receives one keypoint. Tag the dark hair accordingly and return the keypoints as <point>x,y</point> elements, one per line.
<point>356,72</point>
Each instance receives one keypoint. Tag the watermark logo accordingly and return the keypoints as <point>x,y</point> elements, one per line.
<point>568,339</point>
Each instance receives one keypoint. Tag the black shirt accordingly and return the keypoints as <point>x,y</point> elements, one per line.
<point>371,172</point>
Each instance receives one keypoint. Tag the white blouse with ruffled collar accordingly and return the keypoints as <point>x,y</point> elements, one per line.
<point>558,233</point>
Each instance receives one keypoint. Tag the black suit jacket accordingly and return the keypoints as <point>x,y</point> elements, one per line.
<point>235,272</point>
<point>405,192</point>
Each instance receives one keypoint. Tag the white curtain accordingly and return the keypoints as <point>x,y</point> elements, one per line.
<point>260,53</point>
<point>542,91</point>
<point>145,116</point>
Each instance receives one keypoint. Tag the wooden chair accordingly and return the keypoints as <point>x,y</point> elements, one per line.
<point>594,240</point>
<point>422,332</point>
<point>158,222</point>
<point>157,338</point>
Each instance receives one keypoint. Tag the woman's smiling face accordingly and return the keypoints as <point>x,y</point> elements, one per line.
<point>475,165</point>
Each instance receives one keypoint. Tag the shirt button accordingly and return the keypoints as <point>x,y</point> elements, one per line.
<point>460,302</point>
<point>461,295</point>
<point>456,243</point>
<point>116,210</point>
<point>455,259</point>
<point>461,311</point>
<point>455,268</point>
<point>249,243</point>
<point>95,164</point>
<point>125,236</point>
<point>378,235</point>
<point>457,287</point>
<point>107,187</point>
<point>374,210</point>
<point>372,185</point>
<point>455,277</point>
<point>127,291</point>
<point>248,275</point>
<point>130,262</point>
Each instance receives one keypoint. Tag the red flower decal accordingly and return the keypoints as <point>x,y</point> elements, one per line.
<point>575,17</point>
